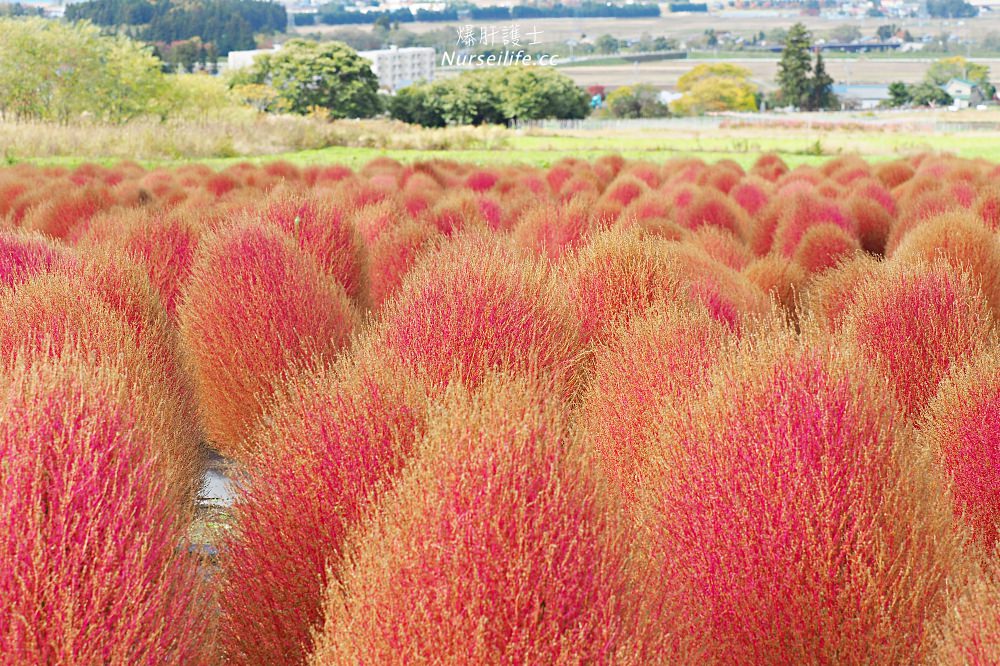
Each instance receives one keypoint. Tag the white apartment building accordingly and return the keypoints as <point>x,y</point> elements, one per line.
<point>241,59</point>
<point>397,68</point>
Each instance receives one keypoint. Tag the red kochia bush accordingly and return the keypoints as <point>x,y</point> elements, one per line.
<point>804,211</point>
<point>823,246</point>
<point>962,428</point>
<point>873,223</point>
<point>474,304</point>
<point>24,254</point>
<point>324,232</point>
<point>830,295</point>
<point>550,230</point>
<point>751,195</point>
<point>164,245</point>
<point>781,279</point>
<point>498,545</point>
<point>255,306</point>
<point>723,246</point>
<point>617,275</point>
<point>971,633</point>
<point>67,210</point>
<point>658,358</point>
<point>913,323</point>
<point>964,242</point>
<point>893,174</point>
<point>92,564</point>
<point>332,436</point>
<point>52,313</point>
<point>713,208</point>
<point>792,524</point>
<point>392,256</point>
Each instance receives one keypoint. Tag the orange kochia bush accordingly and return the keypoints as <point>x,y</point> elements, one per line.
<point>255,307</point>
<point>499,544</point>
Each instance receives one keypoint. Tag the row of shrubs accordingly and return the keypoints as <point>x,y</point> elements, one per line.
<point>606,412</point>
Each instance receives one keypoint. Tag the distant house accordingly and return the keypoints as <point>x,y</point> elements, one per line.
<point>861,95</point>
<point>965,93</point>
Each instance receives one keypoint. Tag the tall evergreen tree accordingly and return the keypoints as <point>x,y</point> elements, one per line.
<point>795,67</point>
<point>821,96</point>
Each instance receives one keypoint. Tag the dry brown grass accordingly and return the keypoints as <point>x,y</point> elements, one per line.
<point>242,135</point>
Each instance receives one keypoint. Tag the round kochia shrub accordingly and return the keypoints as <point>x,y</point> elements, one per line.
<point>971,633</point>
<point>658,358</point>
<point>255,306</point>
<point>913,323</point>
<point>792,522</point>
<point>964,242</point>
<point>617,275</point>
<point>497,545</point>
<point>332,437</point>
<point>823,246</point>
<point>393,255</point>
<point>164,245</point>
<point>781,279</point>
<point>473,305</point>
<point>829,296</point>
<point>324,232</point>
<point>24,254</point>
<point>92,568</point>
<point>550,230</point>
<point>54,313</point>
<point>962,428</point>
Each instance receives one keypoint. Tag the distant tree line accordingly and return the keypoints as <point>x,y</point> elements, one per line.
<point>493,96</point>
<point>951,9</point>
<point>689,7</point>
<point>558,10</point>
<point>228,25</point>
<point>17,9</point>
<point>337,15</point>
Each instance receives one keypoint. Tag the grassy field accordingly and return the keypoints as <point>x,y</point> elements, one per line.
<point>543,148</point>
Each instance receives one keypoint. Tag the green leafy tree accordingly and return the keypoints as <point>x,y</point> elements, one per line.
<point>639,101</point>
<point>227,24</point>
<point>491,96</point>
<point>928,94</point>
<point>845,33</point>
<point>899,94</point>
<point>802,84</point>
<point>795,67</point>
<point>607,44</point>
<point>417,105</point>
<point>309,75</point>
<point>886,32</point>
<point>58,71</point>
<point>538,92</point>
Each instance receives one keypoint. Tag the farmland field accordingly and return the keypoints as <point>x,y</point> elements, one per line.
<point>731,395</point>
<point>664,74</point>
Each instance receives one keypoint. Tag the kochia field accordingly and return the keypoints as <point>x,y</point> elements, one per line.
<point>607,412</point>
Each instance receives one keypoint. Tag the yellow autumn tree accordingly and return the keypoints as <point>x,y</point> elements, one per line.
<point>715,87</point>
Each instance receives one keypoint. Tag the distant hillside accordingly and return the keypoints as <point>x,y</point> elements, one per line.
<point>228,25</point>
